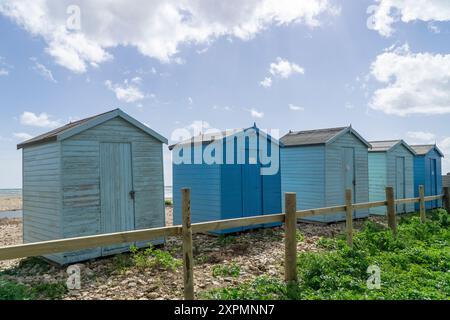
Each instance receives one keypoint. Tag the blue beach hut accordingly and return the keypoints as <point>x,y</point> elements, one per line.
<point>391,163</point>
<point>319,165</point>
<point>231,174</point>
<point>428,172</point>
<point>102,174</point>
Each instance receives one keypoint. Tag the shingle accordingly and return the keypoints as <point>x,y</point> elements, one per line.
<point>310,137</point>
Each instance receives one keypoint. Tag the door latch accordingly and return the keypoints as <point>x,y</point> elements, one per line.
<point>133,194</point>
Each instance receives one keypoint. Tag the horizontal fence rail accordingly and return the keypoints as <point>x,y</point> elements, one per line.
<point>186,229</point>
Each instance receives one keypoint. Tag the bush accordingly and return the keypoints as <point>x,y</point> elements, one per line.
<point>232,270</point>
<point>414,265</point>
<point>10,290</point>
<point>154,258</point>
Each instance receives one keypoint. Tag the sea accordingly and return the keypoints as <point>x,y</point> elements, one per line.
<point>10,193</point>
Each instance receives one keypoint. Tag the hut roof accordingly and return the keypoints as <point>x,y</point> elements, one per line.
<point>387,145</point>
<point>76,127</point>
<point>317,137</point>
<point>219,135</point>
<point>423,149</point>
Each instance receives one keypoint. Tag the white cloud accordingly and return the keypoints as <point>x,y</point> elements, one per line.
<point>444,146</point>
<point>256,114</point>
<point>4,67</point>
<point>388,12</point>
<point>198,126</point>
<point>348,105</point>
<point>296,108</point>
<point>43,70</point>
<point>126,92</point>
<point>155,28</point>
<point>42,120</point>
<point>22,136</point>
<point>284,69</point>
<point>421,136</point>
<point>414,83</point>
<point>190,101</point>
<point>433,28</point>
<point>267,82</point>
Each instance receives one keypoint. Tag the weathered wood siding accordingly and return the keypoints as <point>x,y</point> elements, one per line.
<point>303,172</point>
<point>401,151</point>
<point>377,180</point>
<point>42,194</point>
<point>81,181</point>
<point>335,186</point>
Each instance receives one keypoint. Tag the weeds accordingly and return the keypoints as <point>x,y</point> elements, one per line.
<point>232,270</point>
<point>152,258</point>
<point>414,265</point>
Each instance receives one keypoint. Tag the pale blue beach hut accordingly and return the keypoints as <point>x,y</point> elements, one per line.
<point>99,175</point>
<point>428,172</point>
<point>391,163</point>
<point>319,165</point>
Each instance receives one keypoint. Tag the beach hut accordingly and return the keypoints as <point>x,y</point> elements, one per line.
<point>319,165</point>
<point>391,163</point>
<point>231,174</point>
<point>427,172</point>
<point>99,175</point>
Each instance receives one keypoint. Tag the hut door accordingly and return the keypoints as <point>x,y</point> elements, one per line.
<point>349,171</point>
<point>433,182</point>
<point>116,185</point>
<point>251,189</point>
<point>400,183</point>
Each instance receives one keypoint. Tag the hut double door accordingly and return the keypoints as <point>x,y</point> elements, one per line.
<point>117,195</point>
<point>251,191</point>
<point>348,162</point>
<point>433,183</point>
<point>400,185</point>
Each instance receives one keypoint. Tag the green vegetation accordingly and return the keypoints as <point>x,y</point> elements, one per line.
<point>152,258</point>
<point>414,265</point>
<point>168,202</point>
<point>10,290</point>
<point>122,262</point>
<point>231,270</point>
<point>224,240</point>
<point>300,236</point>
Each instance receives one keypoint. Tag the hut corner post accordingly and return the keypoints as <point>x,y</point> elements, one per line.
<point>447,199</point>
<point>290,240</point>
<point>188,271</point>
<point>392,220</point>
<point>349,216</point>
<point>422,203</point>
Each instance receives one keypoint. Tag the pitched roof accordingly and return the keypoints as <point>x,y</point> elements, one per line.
<point>423,149</point>
<point>219,135</point>
<point>76,127</point>
<point>319,136</point>
<point>387,145</point>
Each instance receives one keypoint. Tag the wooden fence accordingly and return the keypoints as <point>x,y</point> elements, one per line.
<point>289,218</point>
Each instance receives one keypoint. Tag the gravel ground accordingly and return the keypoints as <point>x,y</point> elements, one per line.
<point>258,252</point>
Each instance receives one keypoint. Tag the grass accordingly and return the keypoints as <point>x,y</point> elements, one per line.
<point>414,265</point>
<point>152,258</point>
<point>10,290</point>
<point>231,270</point>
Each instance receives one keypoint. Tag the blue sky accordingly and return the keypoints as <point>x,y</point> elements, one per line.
<point>174,64</point>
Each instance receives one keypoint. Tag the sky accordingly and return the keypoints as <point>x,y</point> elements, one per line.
<point>382,66</point>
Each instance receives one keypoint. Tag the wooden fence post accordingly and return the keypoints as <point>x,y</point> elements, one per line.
<point>392,220</point>
<point>422,203</point>
<point>188,271</point>
<point>446,199</point>
<point>290,239</point>
<point>349,216</point>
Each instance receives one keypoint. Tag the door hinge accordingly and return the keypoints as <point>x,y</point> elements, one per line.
<point>132,194</point>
